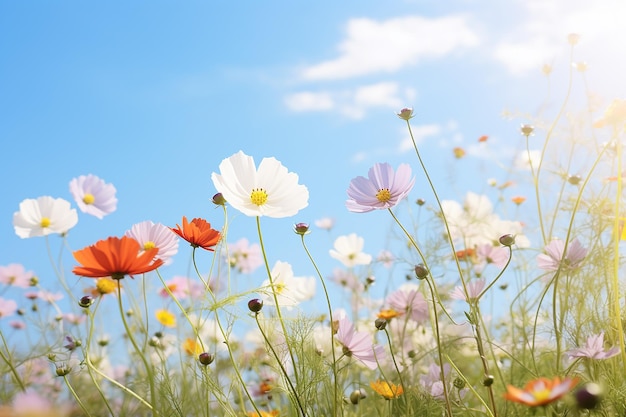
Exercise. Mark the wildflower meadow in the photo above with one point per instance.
(491, 304)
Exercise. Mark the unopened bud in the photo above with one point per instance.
(420, 202)
(380, 324)
(86, 301)
(205, 358)
(588, 396)
(255, 305)
(488, 381)
(459, 383)
(507, 240)
(356, 396)
(301, 228)
(527, 130)
(219, 200)
(574, 179)
(421, 271)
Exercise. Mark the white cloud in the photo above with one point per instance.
(352, 103)
(309, 101)
(420, 133)
(386, 46)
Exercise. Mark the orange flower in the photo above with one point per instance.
(191, 347)
(518, 199)
(115, 257)
(198, 233)
(466, 254)
(387, 389)
(388, 314)
(541, 391)
(483, 138)
(458, 152)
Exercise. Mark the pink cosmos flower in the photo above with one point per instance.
(556, 256)
(410, 301)
(244, 257)
(386, 258)
(93, 196)
(358, 344)
(7, 307)
(325, 223)
(594, 349)
(15, 275)
(346, 279)
(183, 287)
(489, 254)
(155, 235)
(383, 188)
(474, 288)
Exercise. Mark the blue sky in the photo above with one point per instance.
(152, 95)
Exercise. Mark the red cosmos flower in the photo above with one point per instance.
(198, 233)
(541, 391)
(115, 257)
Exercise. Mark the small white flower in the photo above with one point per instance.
(290, 290)
(348, 250)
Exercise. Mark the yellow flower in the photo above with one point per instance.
(166, 318)
(105, 286)
(387, 389)
(192, 347)
(261, 413)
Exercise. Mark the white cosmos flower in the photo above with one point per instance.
(348, 250)
(269, 190)
(44, 216)
(290, 290)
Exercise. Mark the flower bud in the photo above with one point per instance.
(588, 396)
(527, 130)
(219, 200)
(459, 383)
(301, 228)
(488, 381)
(380, 324)
(406, 113)
(507, 240)
(574, 179)
(255, 305)
(86, 301)
(356, 396)
(205, 358)
(34, 281)
(420, 202)
(421, 271)
(370, 280)
(63, 369)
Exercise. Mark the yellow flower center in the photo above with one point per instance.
(89, 199)
(105, 286)
(383, 195)
(258, 196)
(45, 222)
(149, 245)
(166, 318)
(279, 288)
(542, 395)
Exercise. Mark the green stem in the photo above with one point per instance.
(76, 397)
(129, 333)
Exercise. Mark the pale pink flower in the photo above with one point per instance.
(74, 318)
(383, 188)
(474, 289)
(386, 258)
(15, 275)
(346, 279)
(244, 257)
(358, 344)
(325, 223)
(594, 349)
(44, 216)
(348, 249)
(48, 296)
(408, 300)
(183, 287)
(93, 196)
(489, 254)
(556, 256)
(7, 307)
(155, 235)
